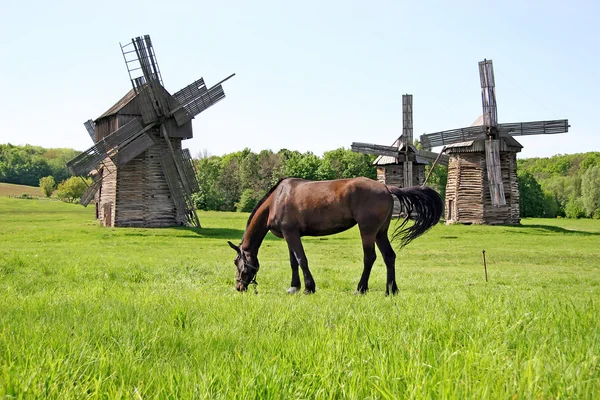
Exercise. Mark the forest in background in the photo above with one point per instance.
(559, 186)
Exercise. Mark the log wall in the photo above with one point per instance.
(107, 194)
(143, 198)
(468, 198)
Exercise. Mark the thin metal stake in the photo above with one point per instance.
(484, 265)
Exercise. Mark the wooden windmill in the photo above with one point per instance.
(142, 176)
(401, 164)
(482, 182)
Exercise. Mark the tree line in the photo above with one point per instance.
(562, 185)
(26, 165)
(236, 181)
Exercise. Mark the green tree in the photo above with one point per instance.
(551, 206)
(574, 208)
(57, 160)
(47, 184)
(72, 188)
(438, 178)
(345, 163)
(270, 169)
(209, 197)
(303, 166)
(229, 183)
(247, 201)
(531, 196)
(590, 191)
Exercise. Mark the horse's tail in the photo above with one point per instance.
(420, 203)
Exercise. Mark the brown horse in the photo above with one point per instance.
(296, 207)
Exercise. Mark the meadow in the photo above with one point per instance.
(92, 312)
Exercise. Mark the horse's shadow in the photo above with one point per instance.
(554, 229)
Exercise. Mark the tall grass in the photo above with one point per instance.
(87, 311)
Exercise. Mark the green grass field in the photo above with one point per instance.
(87, 311)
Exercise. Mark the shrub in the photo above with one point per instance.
(72, 188)
(47, 185)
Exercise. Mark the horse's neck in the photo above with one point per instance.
(257, 229)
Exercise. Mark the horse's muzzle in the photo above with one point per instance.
(240, 287)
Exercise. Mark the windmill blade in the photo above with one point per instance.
(189, 171)
(184, 97)
(488, 93)
(535, 128)
(443, 138)
(195, 98)
(87, 160)
(91, 190)
(369, 148)
(170, 171)
(185, 209)
(91, 128)
(133, 149)
(191, 92)
(146, 58)
(492, 161)
(196, 106)
(407, 119)
(139, 58)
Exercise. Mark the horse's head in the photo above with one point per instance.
(247, 267)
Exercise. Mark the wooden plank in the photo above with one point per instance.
(488, 93)
(407, 119)
(535, 127)
(492, 156)
(369, 148)
(133, 149)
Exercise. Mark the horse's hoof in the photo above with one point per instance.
(293, 290)
(360, 292)
(309, 291)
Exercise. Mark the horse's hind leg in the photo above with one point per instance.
(296, 248)
(389, 257)
(295, 285)
(369, 257)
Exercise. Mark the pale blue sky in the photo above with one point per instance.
(311, 75)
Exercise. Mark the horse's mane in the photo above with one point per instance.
(261, 201)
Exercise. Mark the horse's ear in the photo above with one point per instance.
(233, 246)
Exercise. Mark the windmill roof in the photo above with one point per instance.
(119, 104)
(460, 144)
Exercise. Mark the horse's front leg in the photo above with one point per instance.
(296, 248)
(295, 285)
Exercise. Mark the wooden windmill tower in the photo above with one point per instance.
(401, 164)
(482, 173)
(142, 176)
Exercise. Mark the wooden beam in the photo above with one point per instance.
(368, 148)
(443, 138)
(430, 156)
(488, 93)
(492, 161)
